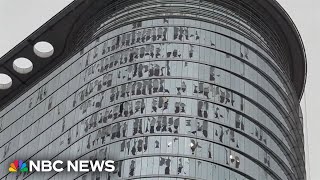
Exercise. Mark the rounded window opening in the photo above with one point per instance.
(43, 49)
(5, 81)
(22, 65)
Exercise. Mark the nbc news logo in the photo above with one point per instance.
(18, 166)
(57, 166)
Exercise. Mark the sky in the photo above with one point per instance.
(19, 18)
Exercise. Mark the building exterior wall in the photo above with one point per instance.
(167, 96)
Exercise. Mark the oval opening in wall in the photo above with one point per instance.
(43, 49)
(5, 81)
(22, 65)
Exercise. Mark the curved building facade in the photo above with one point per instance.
(169, 90)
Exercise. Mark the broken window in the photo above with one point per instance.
(166, 163)
(50, 103)
(132, 168)
(239, 122)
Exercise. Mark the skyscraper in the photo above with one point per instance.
(171, 89)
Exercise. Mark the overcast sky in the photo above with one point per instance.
(19, 18)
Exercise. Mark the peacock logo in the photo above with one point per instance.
(18, 165)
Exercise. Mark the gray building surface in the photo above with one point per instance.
(172, 89)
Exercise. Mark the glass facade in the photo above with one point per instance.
(174, 95)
